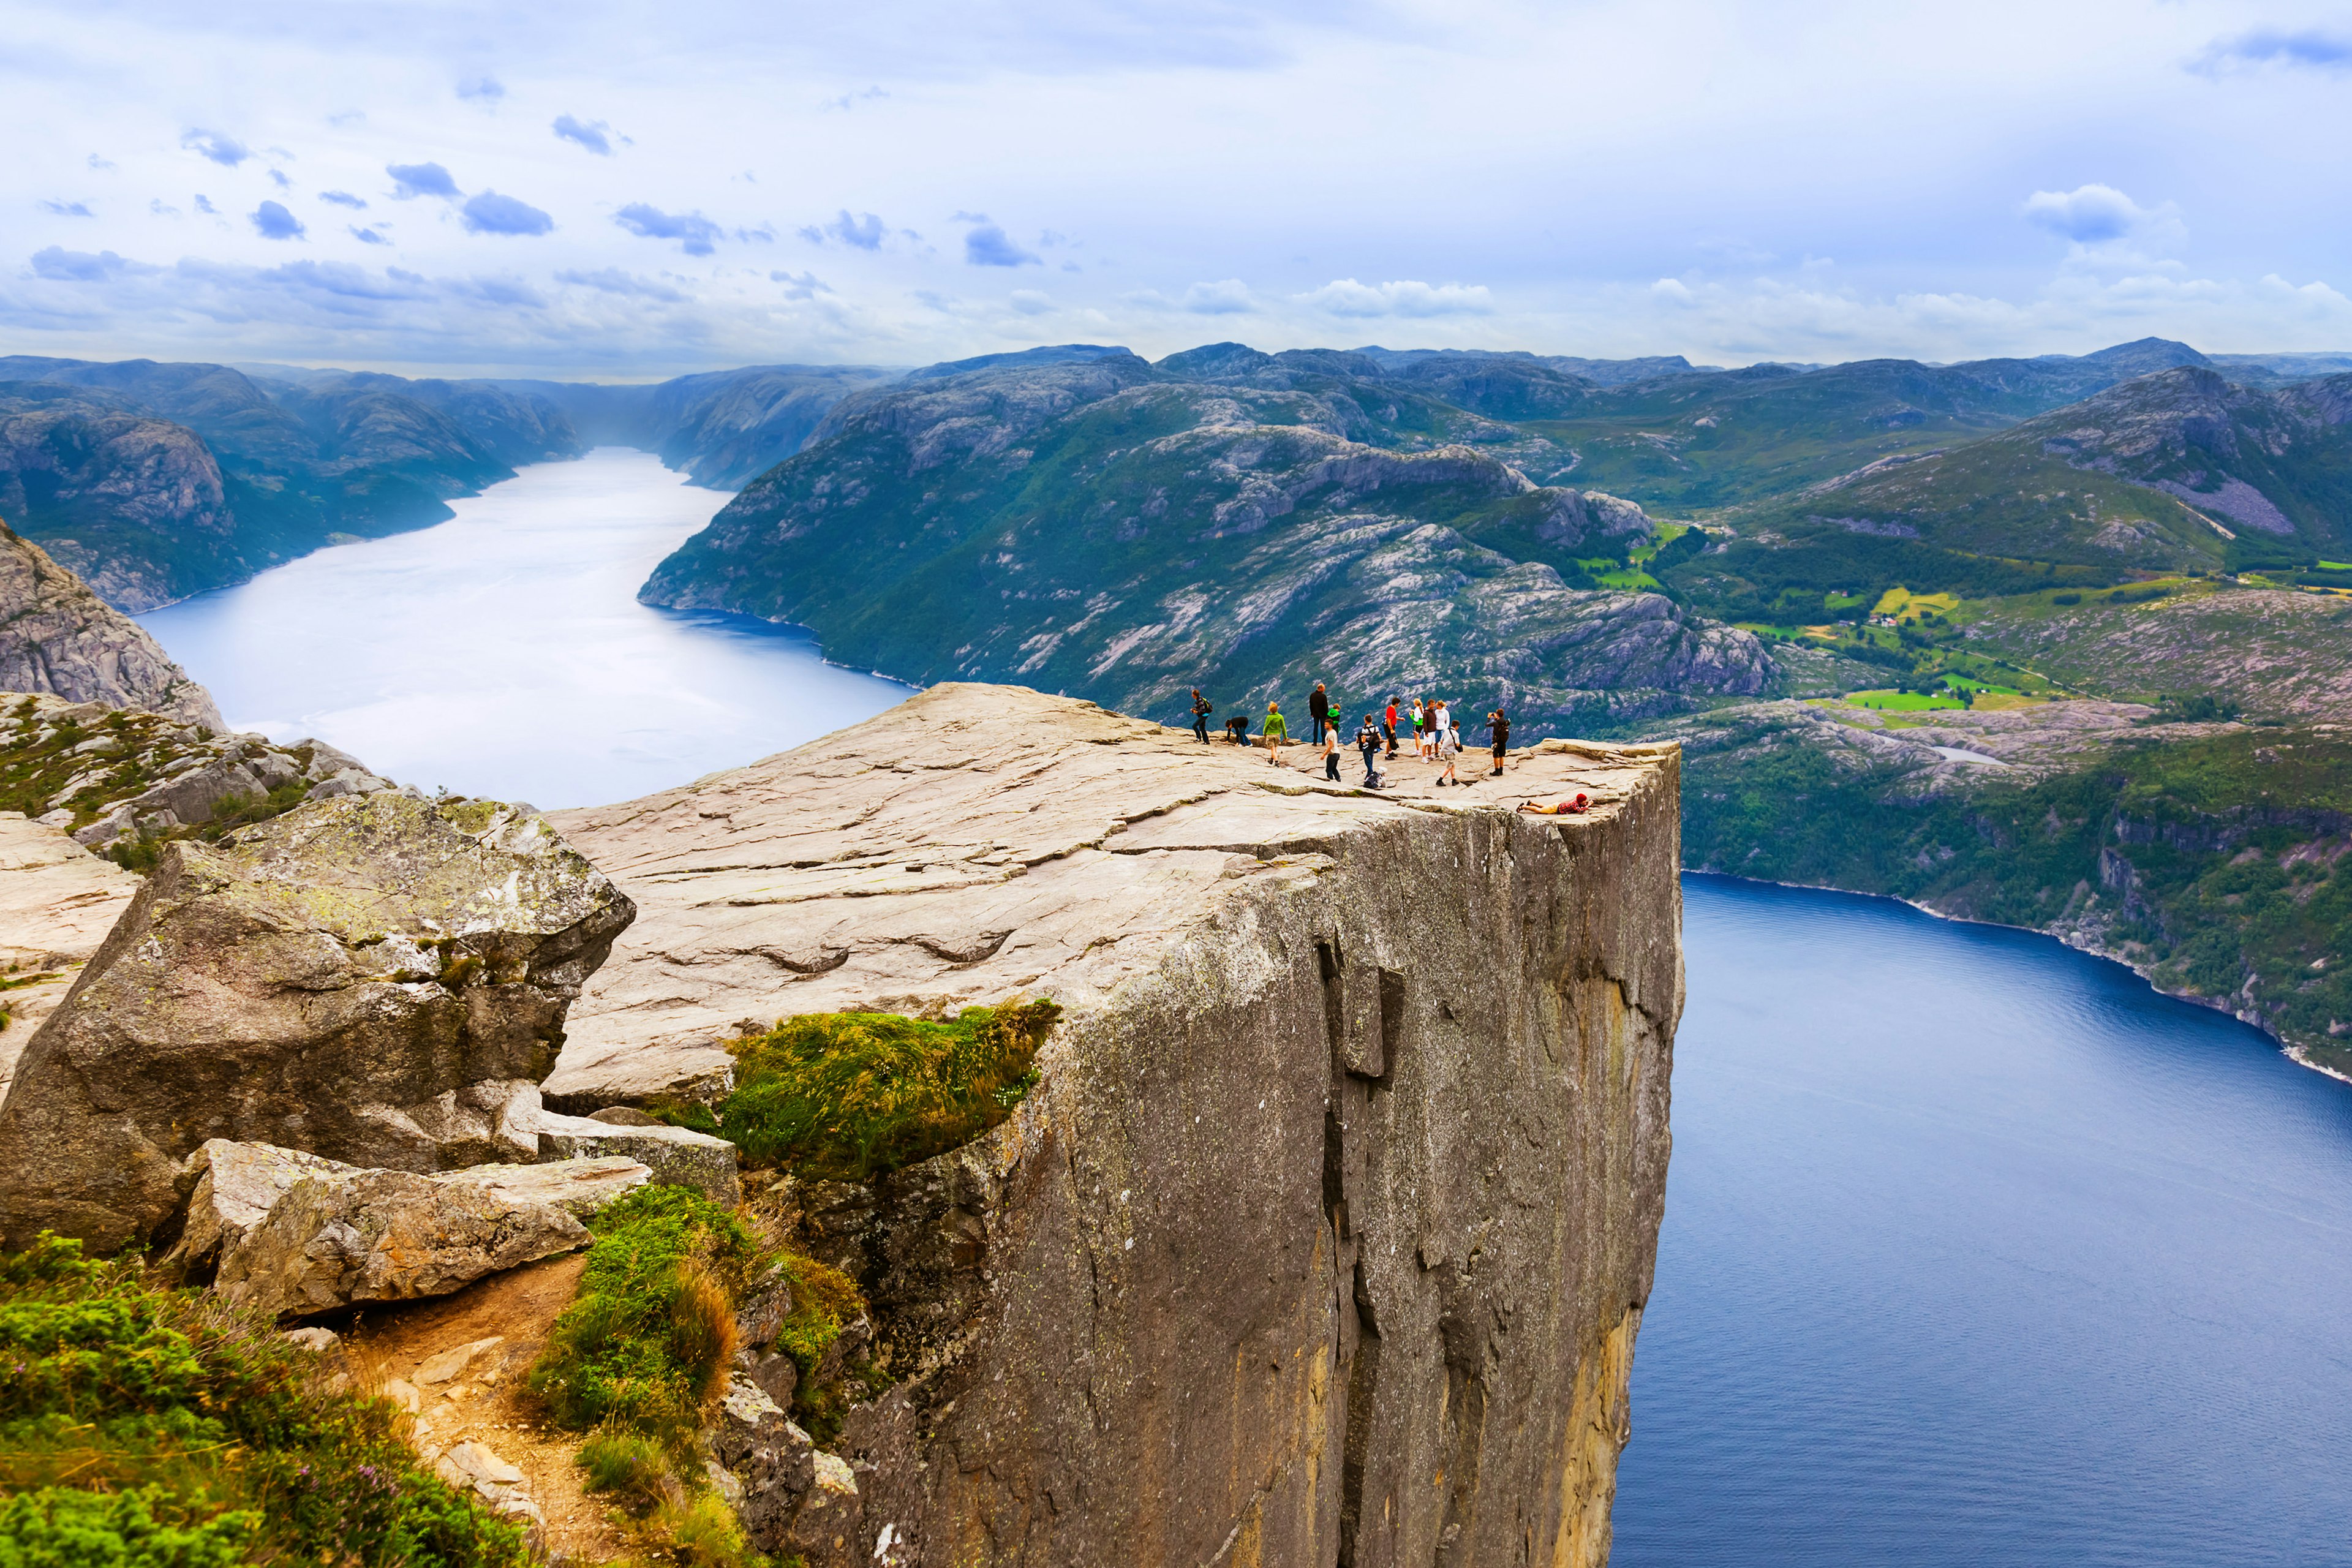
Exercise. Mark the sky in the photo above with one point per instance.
(601, 191)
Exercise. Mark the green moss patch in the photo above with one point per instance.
(155, 1427)
(846, 1095)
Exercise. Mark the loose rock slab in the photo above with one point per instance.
(373, 977)
(340, 1235)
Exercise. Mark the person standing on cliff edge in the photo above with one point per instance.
(1319, 710)
(1200, 711)
(1502, 728)
(1275, 732)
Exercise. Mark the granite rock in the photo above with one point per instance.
(58, 901)
(59, 637)
(375, 979)
(337, 1237)
(1347, 1161)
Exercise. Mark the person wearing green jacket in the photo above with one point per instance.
(1276, 733)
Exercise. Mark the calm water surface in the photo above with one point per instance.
(504, 652)
(1977, 1250)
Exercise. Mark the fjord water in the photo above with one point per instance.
(1978, 1250)
(504, 652)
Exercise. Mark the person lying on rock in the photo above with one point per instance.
(1576, 807)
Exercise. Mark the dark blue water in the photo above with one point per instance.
(1978, 1251)
(504, 653)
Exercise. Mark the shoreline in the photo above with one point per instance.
(2291, 1050)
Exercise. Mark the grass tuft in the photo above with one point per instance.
(628, 1464)
(645, 1345)
(848, 1096)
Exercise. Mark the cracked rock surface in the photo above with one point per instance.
(1346, 1166)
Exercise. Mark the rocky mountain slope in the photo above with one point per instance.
(59, 637)
(1400, 1158)
(2165, 472)
(156, 481)
(1239, 521)
(1719, 438)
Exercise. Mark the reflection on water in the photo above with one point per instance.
(1978, 1251)
(504, 652)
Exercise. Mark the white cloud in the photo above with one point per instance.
(2088, 215)
(1230, 298)
(1346, 296)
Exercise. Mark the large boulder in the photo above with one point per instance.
(373, 978)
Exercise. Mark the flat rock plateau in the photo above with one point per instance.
(1325, 1234)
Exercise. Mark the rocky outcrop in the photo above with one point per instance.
(124, 779)
(354, 1235)
(1325, 1235)
(373, 978)
(58, 636)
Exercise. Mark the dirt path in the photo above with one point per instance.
(415, 1352)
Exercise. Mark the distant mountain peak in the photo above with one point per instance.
(1058, 353)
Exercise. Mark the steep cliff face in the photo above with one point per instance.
(58, 636)
(1326, 1235)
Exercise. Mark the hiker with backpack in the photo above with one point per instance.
(1200, 711)
(1367, 741)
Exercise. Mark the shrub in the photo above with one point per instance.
(628, 1463)
(645, 1345)
(64, 1527)
(846, 1096)
(703, 1532)
(148, 1426)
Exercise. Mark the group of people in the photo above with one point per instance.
(1437, 735)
